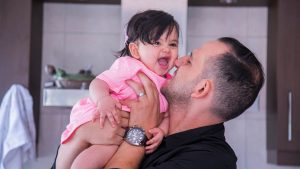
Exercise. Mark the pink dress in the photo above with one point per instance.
(122, 69)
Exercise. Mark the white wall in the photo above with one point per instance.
(78, 35)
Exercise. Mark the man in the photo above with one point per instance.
(216, 83)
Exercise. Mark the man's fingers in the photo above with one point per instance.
(137, 87)
(124, 122)
(121, 132)
(129, 103)
(149, 86)
(124, 114)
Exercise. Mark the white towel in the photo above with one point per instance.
(17, 129)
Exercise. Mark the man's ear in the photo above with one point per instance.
(202, 88)
(134, 50)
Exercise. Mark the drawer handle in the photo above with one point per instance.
(290, 117)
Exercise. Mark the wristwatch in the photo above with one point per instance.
(136, 136)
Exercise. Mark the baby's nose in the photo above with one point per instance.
(166, 49)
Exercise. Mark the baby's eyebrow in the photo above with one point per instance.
(175, 40)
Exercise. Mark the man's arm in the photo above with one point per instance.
(126, 157)
(145, 114)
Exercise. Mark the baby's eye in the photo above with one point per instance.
(156, 43)
(174, 44)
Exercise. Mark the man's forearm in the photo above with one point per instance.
(126, 157)
(145, 113)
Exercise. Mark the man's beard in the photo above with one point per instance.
(176, 94)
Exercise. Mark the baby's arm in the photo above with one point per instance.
(164, 125)
(158, 134)
(100, 94)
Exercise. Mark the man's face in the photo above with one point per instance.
(189, 69)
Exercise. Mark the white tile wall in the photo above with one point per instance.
(53, 48)
(84, 49)
(256, 153)
(54, 17)
(92, 18)
(257, 21)
(237, 139)
(258, 46)
(88, 34)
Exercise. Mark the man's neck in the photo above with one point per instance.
(182, 119)
(177, 117)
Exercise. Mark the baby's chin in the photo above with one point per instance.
(162, 73)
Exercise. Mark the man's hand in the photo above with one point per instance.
(106, 135)
(145, 111)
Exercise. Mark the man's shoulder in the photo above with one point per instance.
(205, 146)
(209, 153)
(204, 154)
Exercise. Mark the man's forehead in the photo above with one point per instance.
(210, 49)
(214, 47)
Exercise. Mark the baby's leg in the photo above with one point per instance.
(86, 135)
(69, 151)
(94, 157)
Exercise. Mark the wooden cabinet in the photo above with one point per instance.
(228, 2)
(283, 83)
(21, 46)
(190, 2)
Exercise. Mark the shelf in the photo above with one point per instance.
(63, 97)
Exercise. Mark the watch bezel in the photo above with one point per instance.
(128, 137)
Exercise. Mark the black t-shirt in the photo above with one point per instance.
(200, 148)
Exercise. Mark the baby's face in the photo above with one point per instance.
(160, 56)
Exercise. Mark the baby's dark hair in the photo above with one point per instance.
(148, 26)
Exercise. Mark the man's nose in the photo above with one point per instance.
(179, 61)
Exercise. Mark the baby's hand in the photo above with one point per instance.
(155, 141)
(107, 108)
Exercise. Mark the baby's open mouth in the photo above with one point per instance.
(163, 62)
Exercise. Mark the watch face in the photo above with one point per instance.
(135, 136)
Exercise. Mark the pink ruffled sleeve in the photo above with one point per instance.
(122, 69)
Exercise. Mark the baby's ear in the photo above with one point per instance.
(202, 88)
(134, 50)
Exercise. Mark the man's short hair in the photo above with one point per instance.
(238, 79)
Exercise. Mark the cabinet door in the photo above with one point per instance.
(283, 83)
(288, 76)
(294, 100)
